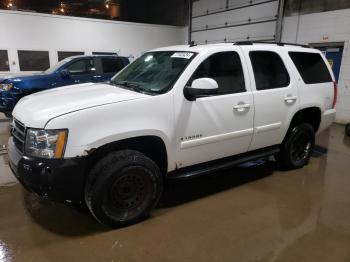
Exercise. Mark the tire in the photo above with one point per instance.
(122, 188)
(347, 129)
(297, 147)
(8, 114)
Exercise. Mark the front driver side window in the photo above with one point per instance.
(82, 67)
(226, 69)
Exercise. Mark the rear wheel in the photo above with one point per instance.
(123, 187)
(297, 147)
(347, 129)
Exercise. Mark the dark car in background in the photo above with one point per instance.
(70, 71)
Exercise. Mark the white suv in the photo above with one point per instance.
(176, 112)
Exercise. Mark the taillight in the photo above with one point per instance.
(335, 94)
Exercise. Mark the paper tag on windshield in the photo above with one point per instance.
(185, 55)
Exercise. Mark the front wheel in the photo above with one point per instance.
(297, 148)
(122, 188)
(8, 114)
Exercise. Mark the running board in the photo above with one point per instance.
(221, 164)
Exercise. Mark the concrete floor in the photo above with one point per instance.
(250, 213)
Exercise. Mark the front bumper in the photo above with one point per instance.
(7, 103)
(59, 180)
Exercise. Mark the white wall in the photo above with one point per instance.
(262, 12)
(32, 31)
(333, 26)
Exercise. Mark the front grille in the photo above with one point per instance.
(19, 135)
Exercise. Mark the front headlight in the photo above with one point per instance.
(6, 87)
(46, 143)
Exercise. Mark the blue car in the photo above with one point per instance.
(70, 71)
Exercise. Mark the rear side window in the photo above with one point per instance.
(269, 70)
(111, 65)
(226, 69)
(4, 61)
(311, 67)
(82, 67)
(33, 60)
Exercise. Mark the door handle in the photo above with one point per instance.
(290, 99)
(98, 76)
(76, 81)
(241, 107)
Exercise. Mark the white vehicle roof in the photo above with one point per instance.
(201, 48)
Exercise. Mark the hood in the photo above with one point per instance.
(37, 109)
(18, 77)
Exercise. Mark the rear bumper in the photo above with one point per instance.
(327, 118)
(60, 180)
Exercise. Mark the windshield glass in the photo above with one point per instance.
(154, 72)
(57, 66)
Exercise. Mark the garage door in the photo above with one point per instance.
(233, 20)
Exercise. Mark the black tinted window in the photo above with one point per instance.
(269, 70)
(63, 54)
(104, 53)
(112, 65)
(4, 61)
(82, 67)
(226, 69)
(311, 67)
(33, 60)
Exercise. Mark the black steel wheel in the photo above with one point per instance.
(297, 147)
(123, 187)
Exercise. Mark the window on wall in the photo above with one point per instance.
(311, 67)
(64, 54)
(33, 60)
(111, 65)
(104, 53)
(4, 61)
(269, 70)
(226, 69)
(82, 67)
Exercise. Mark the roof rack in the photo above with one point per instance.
(272, 43)
(192, 44)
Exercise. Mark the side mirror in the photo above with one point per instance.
(64, 73)
(200, 88)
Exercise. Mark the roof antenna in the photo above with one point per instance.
(192, 44)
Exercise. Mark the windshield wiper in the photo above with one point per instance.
(133, 86)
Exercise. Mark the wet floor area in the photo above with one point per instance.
(254, 212)
(6, 177)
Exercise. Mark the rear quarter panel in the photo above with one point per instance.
(320, 94)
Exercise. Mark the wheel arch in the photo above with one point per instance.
(152, 146)
(311, 115)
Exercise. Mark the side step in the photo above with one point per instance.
(221, 164)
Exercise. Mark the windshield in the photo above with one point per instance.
(57, 66)
(154, 72)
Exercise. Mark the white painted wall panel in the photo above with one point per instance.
(325, 27)
(32, 31)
